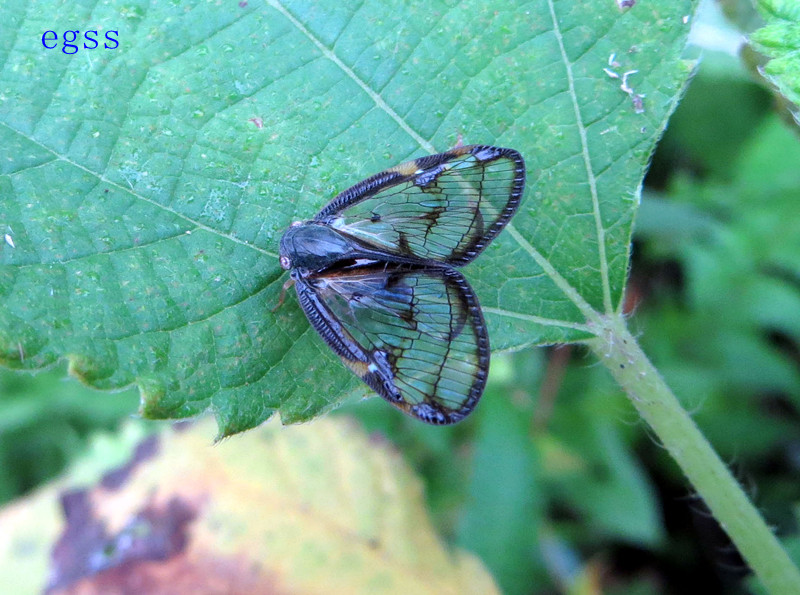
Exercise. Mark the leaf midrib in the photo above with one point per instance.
(587, 162)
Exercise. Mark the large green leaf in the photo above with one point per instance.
(144, 189)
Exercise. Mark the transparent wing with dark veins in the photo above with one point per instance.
(444, 207)
(414, 334)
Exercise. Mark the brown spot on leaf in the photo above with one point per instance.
(87, 550)
(144, 451)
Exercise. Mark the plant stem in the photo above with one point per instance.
(676, 430)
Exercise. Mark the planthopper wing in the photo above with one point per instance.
(415, 334)
(444, 208)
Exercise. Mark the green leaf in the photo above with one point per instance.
(145, 188)
(779, 40)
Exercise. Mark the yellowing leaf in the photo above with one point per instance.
(322, 509)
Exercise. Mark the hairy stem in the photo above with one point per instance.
(620, 352)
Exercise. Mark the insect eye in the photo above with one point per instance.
(286, 263)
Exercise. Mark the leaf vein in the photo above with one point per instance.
(538, 319)
(371, 93)
(130, 191)
(601, 241)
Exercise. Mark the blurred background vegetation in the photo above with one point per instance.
(554, 481)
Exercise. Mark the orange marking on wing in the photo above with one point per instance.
(409, 168)
(358, 367)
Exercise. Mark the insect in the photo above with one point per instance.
(375, 273)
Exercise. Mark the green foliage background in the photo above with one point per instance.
(554, 477)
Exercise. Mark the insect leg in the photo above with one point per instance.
(285, 287)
